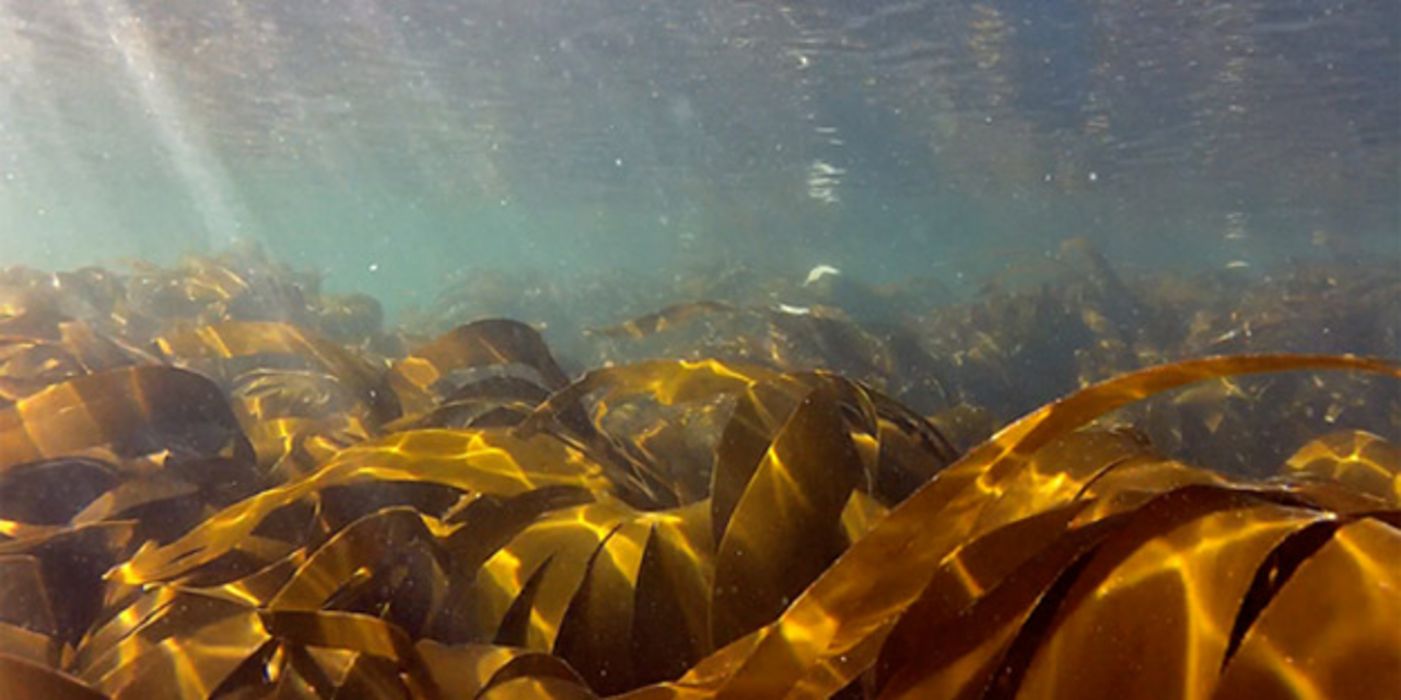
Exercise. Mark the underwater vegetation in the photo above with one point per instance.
(217, 480)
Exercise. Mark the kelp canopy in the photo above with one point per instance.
(218, 481)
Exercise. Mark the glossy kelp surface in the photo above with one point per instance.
(214, 488)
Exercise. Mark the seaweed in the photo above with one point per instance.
(217, 481)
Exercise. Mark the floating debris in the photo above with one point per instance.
(818, 273)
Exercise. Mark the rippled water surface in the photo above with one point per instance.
(395, 145)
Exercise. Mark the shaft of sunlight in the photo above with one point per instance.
(195, 162)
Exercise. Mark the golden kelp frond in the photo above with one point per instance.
(307, 510)
(1289, 649)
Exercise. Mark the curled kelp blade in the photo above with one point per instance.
(812, 644)
(525, 588)
(785, 526)
(1184, 562)
(1357, 565)
(421, 380)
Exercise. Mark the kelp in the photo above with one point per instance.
(283, 502)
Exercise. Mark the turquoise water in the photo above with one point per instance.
(396, 147)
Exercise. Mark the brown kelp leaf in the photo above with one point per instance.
(486, 522)
(536, 688)
(21, 679)
(341, 630)
(1129, 483)
(261, 395)
(881, 575)
(1153, 590)
(389, 560)
(640, 607)
(373, 677)
(1362, 461)
(99, 352)
(197, 283)
(482, 343)
(861, 513)
(24, 599)
(26, 644)
(543, 568)
(786, 527)
(256, 588)
(1350, 584)
(465, 670)
(137, 490)
(52, 491)
(596, 633)
(663, 320)
(952, 641)
(759, 414)
(468, 404)
(677, 443)
(135, 411)
(188, 662)
(74, 558)
(1054, 476)
(94, 652)
(671, 617)
(290, 448)
(148, 623)
(815, 341)
(477, 460)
